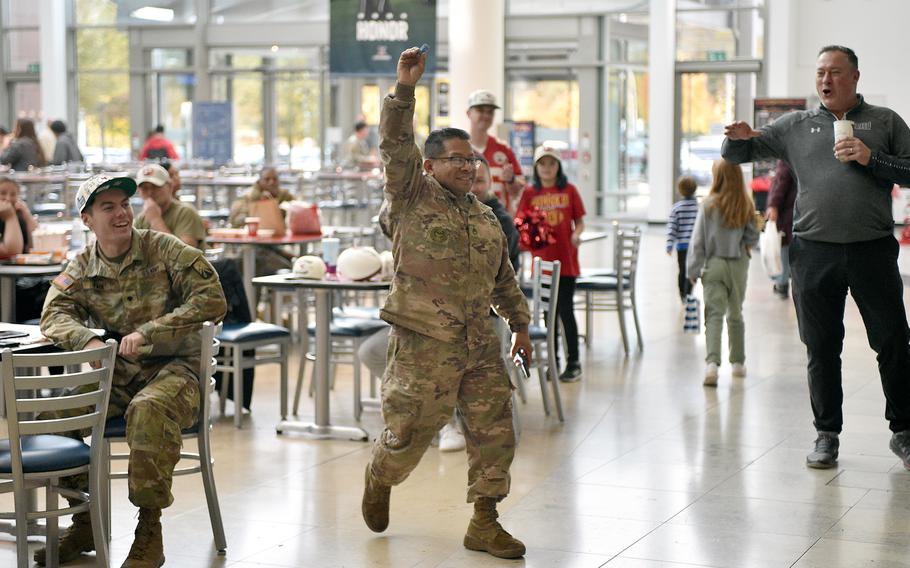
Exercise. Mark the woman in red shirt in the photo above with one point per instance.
(558, 200)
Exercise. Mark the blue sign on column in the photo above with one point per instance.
(213, 131)
(521, 140)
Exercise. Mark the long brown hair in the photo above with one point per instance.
(728, 194)
(25, 128)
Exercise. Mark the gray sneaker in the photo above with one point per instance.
(900, 445)
(824, 456)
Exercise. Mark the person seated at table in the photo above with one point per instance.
(15, 237)
(269, 260)
(174, 172)
(153, 292)
(162, 213)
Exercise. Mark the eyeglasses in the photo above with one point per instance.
(460, 162)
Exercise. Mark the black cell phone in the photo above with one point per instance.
(9, 343)
(10, 334)
(521, 361)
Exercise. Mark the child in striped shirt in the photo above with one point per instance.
(679, 230)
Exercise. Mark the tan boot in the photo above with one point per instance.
(375, 506)
(78, 538)
(487, 535)
(147, 550)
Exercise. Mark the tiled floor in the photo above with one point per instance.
(650, 469)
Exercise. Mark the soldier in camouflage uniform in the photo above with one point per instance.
(154, 292)
(451, 265)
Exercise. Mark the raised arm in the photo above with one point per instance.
(400, 155)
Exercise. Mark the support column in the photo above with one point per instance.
(781, 45)
(661, 107)
(52, 34)
(476, 55)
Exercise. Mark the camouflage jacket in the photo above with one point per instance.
(163, 289)
(451, 256)
(240, 209)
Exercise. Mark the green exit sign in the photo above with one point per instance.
(719, 55)
(33, 68)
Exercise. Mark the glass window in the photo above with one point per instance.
(25, 99)
(135, 13)
(170, 58)
(626, 139)
(297, 97)
(370, 101)
(101, 48)
(95, 12)
(22, 14)
(244, 90)
(104, 116)
(552, 103)
(24, 50)
(719, 35)
(174, 94)
(708, 103)
(246, 11)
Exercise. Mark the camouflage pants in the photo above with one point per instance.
(424, 380)
(157, 409)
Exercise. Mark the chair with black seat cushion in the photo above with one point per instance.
(543, 330)
(202, 459)
(615, 290)
(347, 332)
(238, 339)
(39, 452)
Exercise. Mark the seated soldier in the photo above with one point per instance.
(153, 292)
(162, 212)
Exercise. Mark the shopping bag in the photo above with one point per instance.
(692, 321)
(271, 217)
(303, 218)
(769, 242)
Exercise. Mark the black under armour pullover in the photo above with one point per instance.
(837, 202)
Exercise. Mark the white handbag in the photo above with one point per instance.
(769, 242)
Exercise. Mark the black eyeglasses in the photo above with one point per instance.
(460, 162)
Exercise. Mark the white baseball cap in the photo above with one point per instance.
(546, 150)
(98, 183)
(482, 98)
(154, 174)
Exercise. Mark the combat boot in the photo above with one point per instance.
(147, 550)
(77, 539)
(487, 535)
(375, 506)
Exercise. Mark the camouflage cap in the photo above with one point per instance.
(99, 183)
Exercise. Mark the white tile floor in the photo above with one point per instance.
(650, 469)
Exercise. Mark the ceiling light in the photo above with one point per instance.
(153, 13)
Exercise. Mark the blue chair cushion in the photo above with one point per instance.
(599, 283)
(351, 327)
(527, 289)
(537, 333)
(242, 332)
(46, 453)
(597, 271)
(116, 428)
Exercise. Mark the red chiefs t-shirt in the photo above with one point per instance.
(498, 155)
(561, 207)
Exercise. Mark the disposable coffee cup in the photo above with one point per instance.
(843, 129)
(330, 249)
(252, 226)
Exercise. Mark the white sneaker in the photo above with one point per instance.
(739, 370)
(450, 439)
(710, 375)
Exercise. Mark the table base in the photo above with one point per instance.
(323, 432)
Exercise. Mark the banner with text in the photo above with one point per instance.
(366, 36)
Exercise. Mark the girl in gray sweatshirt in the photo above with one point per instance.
(726, 228)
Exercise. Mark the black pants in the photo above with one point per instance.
(565, 309)
(822, 275)
(683, 279)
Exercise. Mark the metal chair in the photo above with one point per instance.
(614, 290)
(202, 457)
(38, 452)
(544, 292)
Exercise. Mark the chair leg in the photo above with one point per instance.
(226, 353)
(641, 346)
(208, 484)
(621, 312)
(106, 489)
(542, 376)
(284, 347)
(51, 502)
(554, 381)
(21, 505)
(95, 509)
(237, 377)
(358, 403)
(301, 371)
(589, 317)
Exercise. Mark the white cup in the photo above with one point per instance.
(842, 129)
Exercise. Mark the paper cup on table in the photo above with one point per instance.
(842, 129)
(252, 226)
